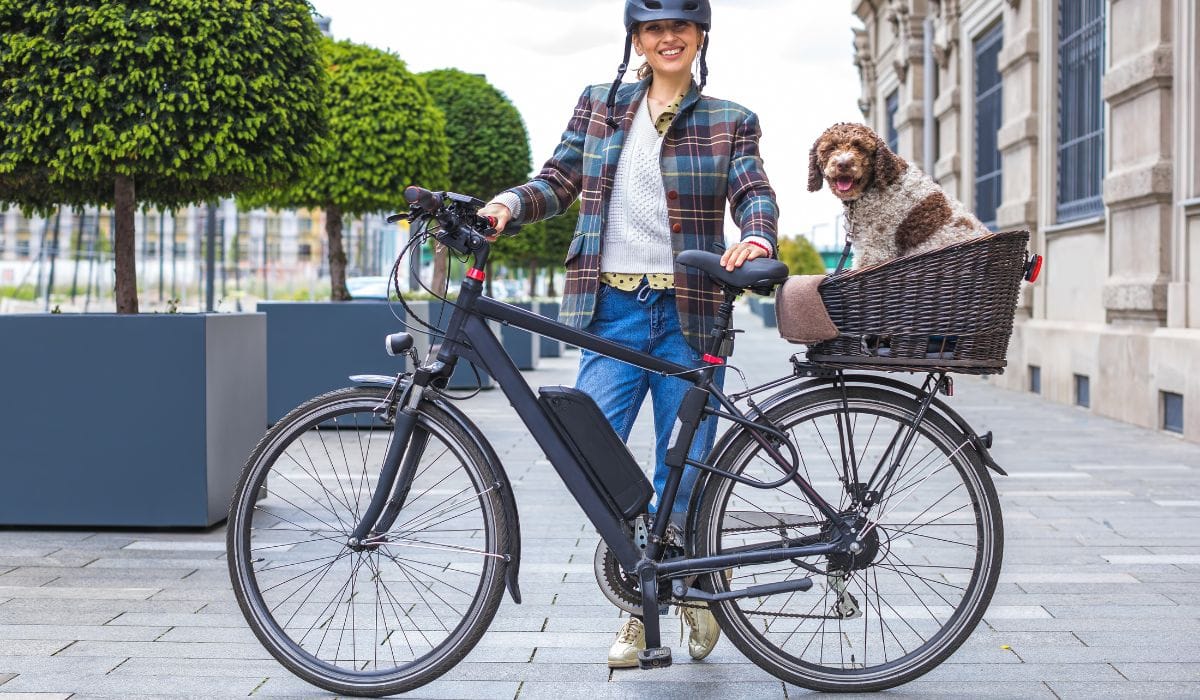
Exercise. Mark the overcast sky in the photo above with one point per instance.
(791, 61)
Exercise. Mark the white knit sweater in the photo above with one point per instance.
(637, 235)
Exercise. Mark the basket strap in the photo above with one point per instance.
(845, 254)
(849, 239)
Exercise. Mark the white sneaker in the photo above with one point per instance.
(631, 639)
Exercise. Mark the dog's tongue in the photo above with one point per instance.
(844, 184)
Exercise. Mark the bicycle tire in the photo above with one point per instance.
(808, 419)
(304, 512)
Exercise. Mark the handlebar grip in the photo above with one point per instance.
(422, 197)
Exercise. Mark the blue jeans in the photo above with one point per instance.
(645, 320)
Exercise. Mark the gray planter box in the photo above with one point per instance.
(314, 347)
(437, 314)
(521, 345)
(766, 309)
(548, 347)
(128, 421)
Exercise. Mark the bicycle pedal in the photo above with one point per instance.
(654, 657)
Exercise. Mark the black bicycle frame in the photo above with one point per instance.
(468, 336)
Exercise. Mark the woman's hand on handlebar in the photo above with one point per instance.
(500, 213)
(739, 253)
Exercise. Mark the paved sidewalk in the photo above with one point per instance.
(1100, 595)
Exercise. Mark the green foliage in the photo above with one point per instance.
(800, 256)
(543, 244)
(385, 133)
(489, 146)
(191, 99)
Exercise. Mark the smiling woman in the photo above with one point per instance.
(652, 164)
(796, 58)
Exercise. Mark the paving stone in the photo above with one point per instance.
(1139, 689)
(115, 686)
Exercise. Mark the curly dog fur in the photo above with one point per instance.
(892, 207)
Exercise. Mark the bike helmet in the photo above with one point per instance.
(638, 11)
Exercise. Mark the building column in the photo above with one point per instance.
(947, 103)
(908, 19)
(1137, 86)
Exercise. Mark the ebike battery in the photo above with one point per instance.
(605, 459)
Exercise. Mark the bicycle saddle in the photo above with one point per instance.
(760, 275)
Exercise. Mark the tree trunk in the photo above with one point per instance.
(533, 271)
(550, 291)
(337, 254)
(441, 268)
(125, 285)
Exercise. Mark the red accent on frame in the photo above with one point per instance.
(476, 274)
(713, 359)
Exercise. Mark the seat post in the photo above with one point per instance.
(721, 343)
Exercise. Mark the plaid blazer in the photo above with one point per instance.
(709, 155)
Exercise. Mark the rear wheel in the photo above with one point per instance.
(931, 552)
(379, 619)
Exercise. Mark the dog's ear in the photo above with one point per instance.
(888, 165)
(815, 177)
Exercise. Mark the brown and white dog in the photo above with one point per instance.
(893, 208)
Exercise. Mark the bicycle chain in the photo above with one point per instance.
(803, 616)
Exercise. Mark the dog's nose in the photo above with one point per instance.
(842, 165)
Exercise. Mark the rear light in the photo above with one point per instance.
(1033, 268)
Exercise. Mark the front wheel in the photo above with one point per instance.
(374, 619)
(930, 555)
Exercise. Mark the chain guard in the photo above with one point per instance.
(619, 587)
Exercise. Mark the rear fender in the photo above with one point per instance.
(498, 474)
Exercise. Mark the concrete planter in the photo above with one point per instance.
(437, 314)
(522, 346)
(766, 309)
(548, 347)
(128, 421)
(314, 347)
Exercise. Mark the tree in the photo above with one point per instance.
(543, 244)
(385, 133)
(489, 145)
(109, 102)
(800, 256)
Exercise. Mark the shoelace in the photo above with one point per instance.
(629, 633)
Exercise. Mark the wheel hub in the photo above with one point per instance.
(861, 552)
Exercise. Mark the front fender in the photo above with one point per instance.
(513, 532)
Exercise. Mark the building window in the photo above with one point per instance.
(988, 116)
(304, 251)
(1035, 379)
(1080, 109)
(1083, 391)
(893, 136)
(1172, 412)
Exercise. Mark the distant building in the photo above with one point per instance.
(1078, 120)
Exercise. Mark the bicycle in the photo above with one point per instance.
(845, 530)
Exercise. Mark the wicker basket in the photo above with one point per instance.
(949, 309)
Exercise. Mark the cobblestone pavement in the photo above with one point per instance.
(1100, 595)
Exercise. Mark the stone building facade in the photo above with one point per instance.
(1078, 120)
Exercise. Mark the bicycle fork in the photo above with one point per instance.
(396, 477)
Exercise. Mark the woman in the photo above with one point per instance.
(654, 163)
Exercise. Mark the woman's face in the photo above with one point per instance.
(670, 46)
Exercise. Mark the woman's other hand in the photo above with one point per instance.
(500, 213)
(739, 253)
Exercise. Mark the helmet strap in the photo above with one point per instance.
(612, 94)
(703, 64)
